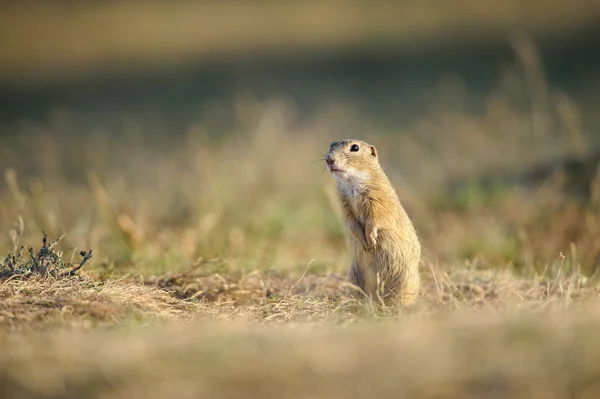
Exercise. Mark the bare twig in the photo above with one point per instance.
(73, 254)
(53, 243)
(10, 263)
(33, 259)
(301, 277)
(86, 257)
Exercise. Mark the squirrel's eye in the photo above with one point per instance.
(354, 148)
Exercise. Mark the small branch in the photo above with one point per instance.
(10, 263)
(33, 259)
(86, 257)
(53, 243)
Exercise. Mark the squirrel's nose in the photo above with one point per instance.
(329, 160)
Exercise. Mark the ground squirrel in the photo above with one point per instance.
(383, 242)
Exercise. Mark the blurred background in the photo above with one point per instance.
(156, 132)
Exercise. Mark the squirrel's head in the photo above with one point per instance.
(351, 159)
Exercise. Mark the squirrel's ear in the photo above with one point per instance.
(374, 151)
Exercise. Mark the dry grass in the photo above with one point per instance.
(472, 334)
(330, 299)
(45, 291)
(68, 303)
(273, 298)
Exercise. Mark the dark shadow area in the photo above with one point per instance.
(390, 83)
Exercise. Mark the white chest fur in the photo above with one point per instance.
(352, 183)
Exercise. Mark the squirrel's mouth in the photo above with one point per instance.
(334, 170)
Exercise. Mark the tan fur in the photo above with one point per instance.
(382, 240)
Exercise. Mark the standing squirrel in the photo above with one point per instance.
(384, 246)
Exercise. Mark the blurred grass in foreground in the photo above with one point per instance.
(549, 355)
